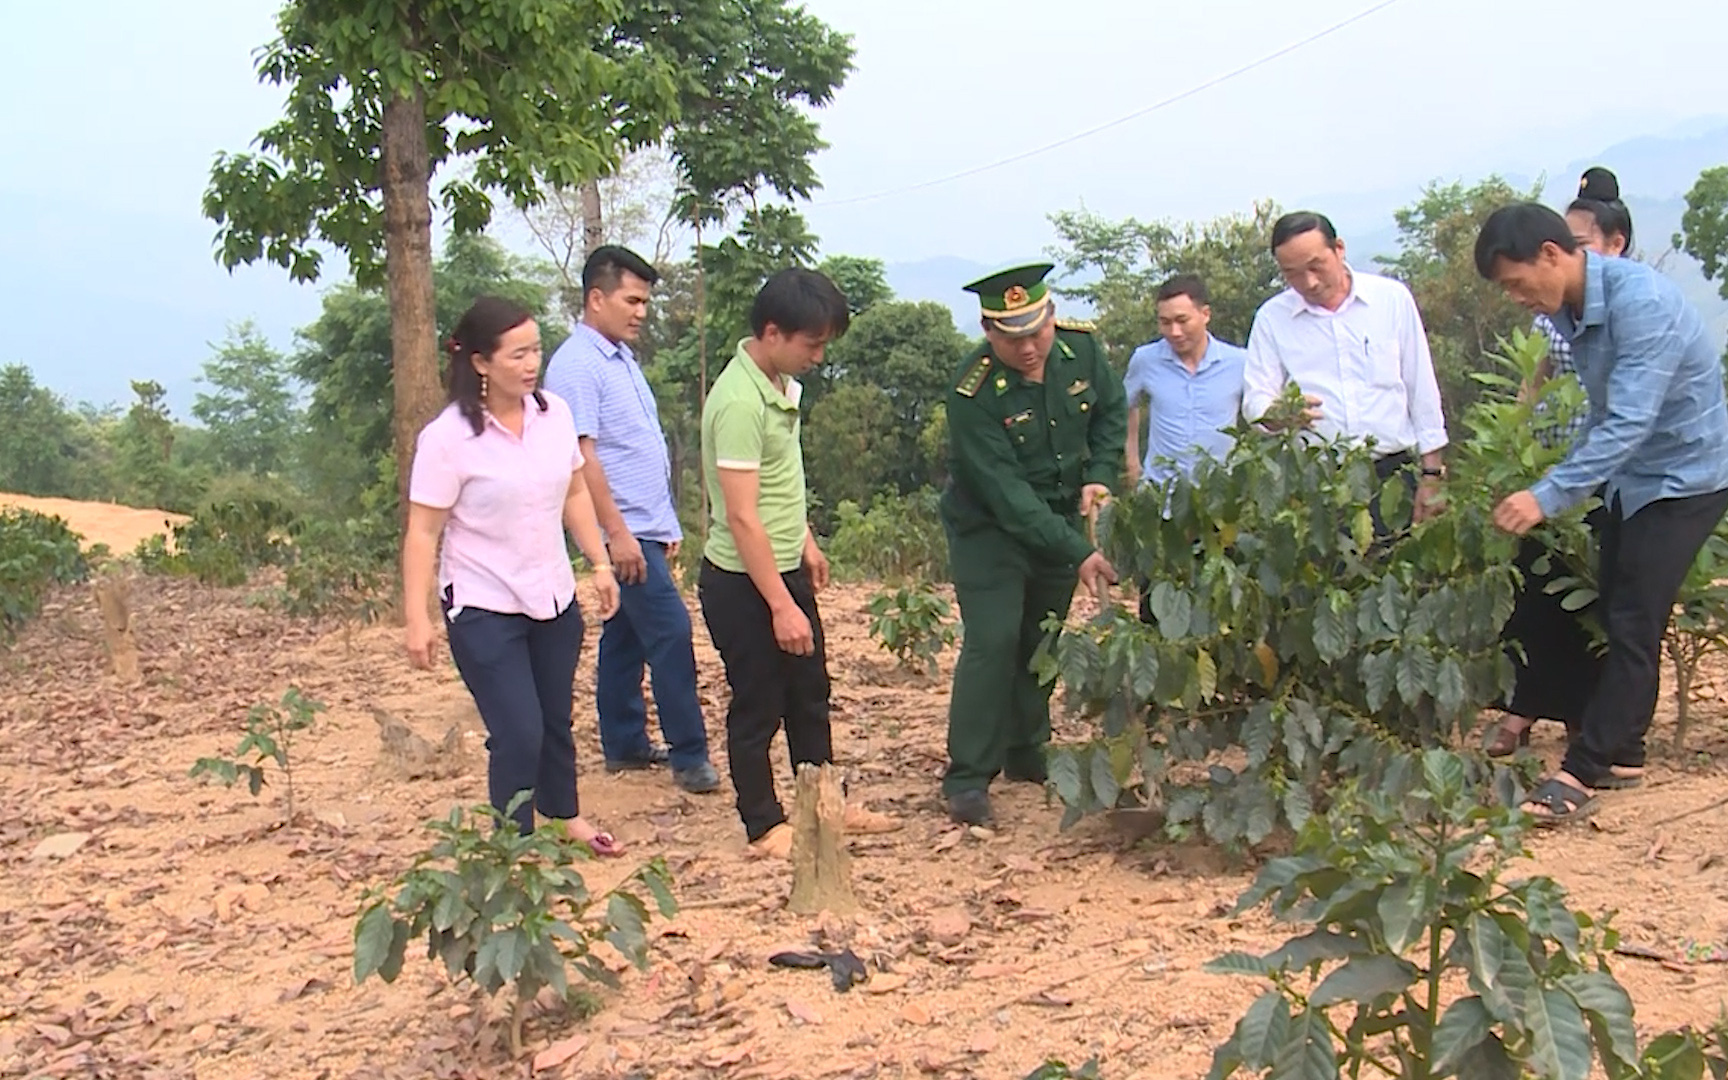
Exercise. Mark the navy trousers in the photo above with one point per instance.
(521, 671)
(652, 628)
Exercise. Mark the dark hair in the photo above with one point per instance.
(477, 331)
(1188, 285)
(607, 265)
(1294, 224)
(1599, 196)
(1517, 232)
(800, 301)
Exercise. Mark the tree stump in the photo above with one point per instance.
(821, 865)
(113, 597)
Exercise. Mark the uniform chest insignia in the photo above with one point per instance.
(1080, 386)
(1024, 417)
(1001, 384)
(974, 377)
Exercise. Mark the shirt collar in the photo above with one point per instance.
(1595, 311)
(616, 350)
(1355, 295)
(530, 416)
(765, 386)
(1207, 358)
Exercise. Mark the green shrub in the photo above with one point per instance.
(899, 538)
(222, 544)
(36, 551)
(913, 623)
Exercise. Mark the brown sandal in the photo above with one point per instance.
(1505, 740)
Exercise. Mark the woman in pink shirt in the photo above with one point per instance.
(498, 476)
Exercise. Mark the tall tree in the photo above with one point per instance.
(1704, 226)
(1464, 314)
(385, 93)
(863, 280)
(1128, 260)
(252, 409)
(38, 455)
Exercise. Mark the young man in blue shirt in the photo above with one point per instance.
(1656, 435)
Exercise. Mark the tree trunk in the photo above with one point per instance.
(113, 600)
(821, 865)
(593, 227)
(408, 267)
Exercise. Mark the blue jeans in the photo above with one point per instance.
(520, 671)
(652, 628)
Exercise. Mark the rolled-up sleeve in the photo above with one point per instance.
(1263, 374)
(1427, 417)
(1648, 349)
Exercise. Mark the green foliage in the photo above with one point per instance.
(1131, 259)
(1704, 226)
(1464, 314)
(503, 909)
(345, 569)
(531, 92)
(36, 551)
(145, 465)
(852, 446)
(39, 450)
(270, 732)
(1401, 895)
(1699, 625)
(899, 538)
(222, 543)
(251, 411)
(914, 623)
(863, 281)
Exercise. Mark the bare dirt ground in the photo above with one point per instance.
(191, 934)
(120, 527)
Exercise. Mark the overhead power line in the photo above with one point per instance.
(1119, 121)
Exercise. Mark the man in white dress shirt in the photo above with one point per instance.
(1355, 344)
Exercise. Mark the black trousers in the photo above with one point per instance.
(1644, 561)
(769, 687)
(1557, 673)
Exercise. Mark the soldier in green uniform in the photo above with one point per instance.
(1037, 420)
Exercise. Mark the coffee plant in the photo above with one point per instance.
(270, 732)
(898, 538)
(36, 552)
(1402, 894)
(913, 623)
(222, 543)
(1054, 1069)
(504, 909)
(1699, 625)
(1289, 647)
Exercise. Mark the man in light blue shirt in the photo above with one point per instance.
(628, 472)
(1191, 383)
(1656, 435)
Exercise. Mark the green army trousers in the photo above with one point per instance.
(998, 715)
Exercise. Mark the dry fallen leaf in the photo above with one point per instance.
(60, 846)
(983, 1042)
(996, 971)
(884, 984)
(803, 1011)
(949, 840)
(559, 1052)
(915, 1013)
(950, 926)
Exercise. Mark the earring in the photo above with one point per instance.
(483, 386)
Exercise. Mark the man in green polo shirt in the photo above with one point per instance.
(761, 568)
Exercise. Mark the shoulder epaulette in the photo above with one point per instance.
(974, 377)
(1078, 325)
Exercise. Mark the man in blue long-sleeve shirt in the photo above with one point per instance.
(1656, 435)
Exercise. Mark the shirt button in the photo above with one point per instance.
(1084, 406)
(1052, 421)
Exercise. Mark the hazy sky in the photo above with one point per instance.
(114, 109)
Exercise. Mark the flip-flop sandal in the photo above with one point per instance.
(605, 845)
(1565, 804)
(1504, 742)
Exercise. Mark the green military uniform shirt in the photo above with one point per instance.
(1021, 451)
